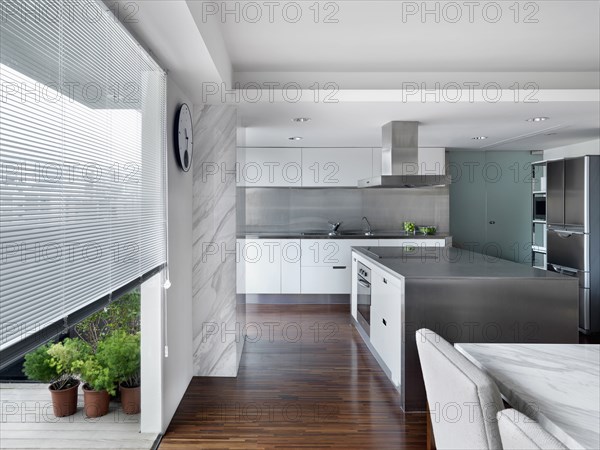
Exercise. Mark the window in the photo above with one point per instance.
(82, 161)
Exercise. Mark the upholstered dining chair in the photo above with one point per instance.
(519, 432)
(462, 399)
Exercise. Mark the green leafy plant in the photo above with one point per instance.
(120, 352)
(123, 314)
(52, 363)
(94, 374)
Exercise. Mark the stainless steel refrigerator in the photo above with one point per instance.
(573, 239)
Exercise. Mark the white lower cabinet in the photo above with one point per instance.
(290, 265)
(268, 266)
(386, 319)
(327, 265)
(326, 280)
(305, 266)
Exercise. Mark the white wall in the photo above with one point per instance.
(152, 361)
(177, 368)
(574, 150)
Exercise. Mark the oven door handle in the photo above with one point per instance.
(364, 283)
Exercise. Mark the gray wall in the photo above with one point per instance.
(217, 320)
(177, 368)
(304, 209)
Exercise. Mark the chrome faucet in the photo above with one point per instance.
(369, 231)
(334, 226)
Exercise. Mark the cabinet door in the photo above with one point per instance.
(323, 252)
(327, 264)
(331, 252)
(575, 192)
(386, 320)
(290, 266)
(336, 167)
(262, 266)
(269, 167)
(555, 193)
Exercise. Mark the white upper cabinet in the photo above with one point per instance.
(305, 167)
(269, 167)
(336, 167)
(432, 161)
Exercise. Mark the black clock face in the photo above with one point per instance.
(184, 138)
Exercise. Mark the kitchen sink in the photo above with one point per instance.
(356, 233)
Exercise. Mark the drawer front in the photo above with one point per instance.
(331, 252)
(326, 280)
(566, 249)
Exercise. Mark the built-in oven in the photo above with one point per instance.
(363, 297)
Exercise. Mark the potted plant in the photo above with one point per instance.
(52, 363)
(120, 351)
(99, 384)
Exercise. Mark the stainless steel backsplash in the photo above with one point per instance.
(297, 209)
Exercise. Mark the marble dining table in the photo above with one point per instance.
(558, 385)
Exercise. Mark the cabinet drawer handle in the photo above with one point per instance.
(385, 281)
(384, 322)
(339, 267)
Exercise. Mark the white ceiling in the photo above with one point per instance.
(373, 36)
(371, 48)
(452, 125)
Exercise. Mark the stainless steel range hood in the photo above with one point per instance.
(400, 160)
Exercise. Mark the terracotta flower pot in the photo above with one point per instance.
(95, 403)
(130, 399)
(64, 401)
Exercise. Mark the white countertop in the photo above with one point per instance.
(556, 384)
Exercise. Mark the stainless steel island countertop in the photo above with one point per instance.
(467, 297)
(449, 262)
(341, 235)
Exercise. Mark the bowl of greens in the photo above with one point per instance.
(427, 229)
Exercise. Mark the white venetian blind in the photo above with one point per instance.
(82, 160)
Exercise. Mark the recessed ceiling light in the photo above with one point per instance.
(301, 119)
(295, 138)
(480, 138)
(537, 119)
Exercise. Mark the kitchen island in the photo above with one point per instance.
(463, 296)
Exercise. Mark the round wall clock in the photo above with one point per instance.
(184, 139)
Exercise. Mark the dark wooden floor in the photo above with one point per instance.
(320, 389)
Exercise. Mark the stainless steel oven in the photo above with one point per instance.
(363, 297)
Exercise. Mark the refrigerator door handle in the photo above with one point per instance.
(564, 270)
(565, 234)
